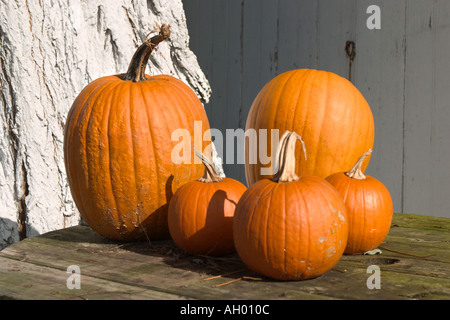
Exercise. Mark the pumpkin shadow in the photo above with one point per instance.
(213, 238)
(12, 233)
(83, 233)
(228, 263)
(159, 215)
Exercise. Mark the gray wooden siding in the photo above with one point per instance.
(403, 70)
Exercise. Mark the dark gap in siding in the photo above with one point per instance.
(405, 46)
(241, 67)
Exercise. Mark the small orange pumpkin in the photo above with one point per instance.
(117, 148)
(369, 207)
(290, 227)
(201, 213)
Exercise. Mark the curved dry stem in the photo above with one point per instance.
(356, 171)
(286, 157)
(136, 69)
(210, 174)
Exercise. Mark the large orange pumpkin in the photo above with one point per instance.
(326, 110)
(290, 227)
(369, 207)
(201, 213)
(118, 147)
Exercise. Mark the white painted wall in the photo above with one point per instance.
(403, 70)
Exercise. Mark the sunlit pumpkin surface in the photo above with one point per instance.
(326, 110)
(118, 153)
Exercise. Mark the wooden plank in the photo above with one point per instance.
(335, 26)
(219, 48)
(200, 20)
(253, 41)
(379, 73)
(270, 23)
(191, 8)
(220, 53)
(22, 280)
(234, 115)
(160, 270)
(288, 35)
(258, 65)
(440, 113)
(419, 99)
(307, 42)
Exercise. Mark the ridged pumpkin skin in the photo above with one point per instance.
(369, 209)
(290, 227)
(201, 216)
(117, 149)
(291, 231)
(326, 110)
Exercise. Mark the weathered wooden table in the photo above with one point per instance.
(414, 264)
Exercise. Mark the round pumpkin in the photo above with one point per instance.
(117, 148)
(369, 207)
(201, 213)
(326, 110)
(290, 227)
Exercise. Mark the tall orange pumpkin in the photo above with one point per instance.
(290, 227)
(326, 110)
(118, 147)
(369, 207)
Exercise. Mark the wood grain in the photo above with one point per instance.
(35, 268)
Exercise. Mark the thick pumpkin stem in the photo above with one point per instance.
(210, 173)
(286, 157)
(356, 171)
(136, 69)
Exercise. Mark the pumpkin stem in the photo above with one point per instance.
(286, 157)
(136, 69)
(356, 172)
(210, 173)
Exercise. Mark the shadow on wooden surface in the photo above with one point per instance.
(414, 263)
